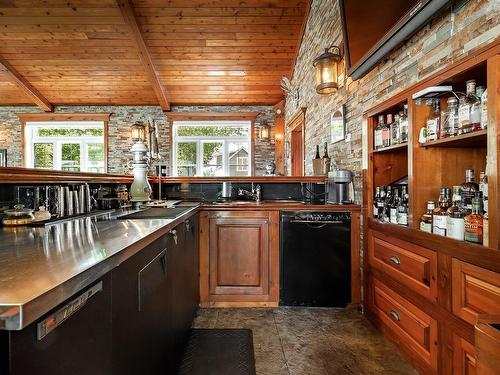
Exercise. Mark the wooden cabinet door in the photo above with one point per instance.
(239, 253)
(464, 357)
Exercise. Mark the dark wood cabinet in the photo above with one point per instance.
(240, 258)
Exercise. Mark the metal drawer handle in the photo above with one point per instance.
(188, 225)
(395, 315)
(394, 259)
(173, 232)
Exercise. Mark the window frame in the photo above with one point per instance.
(200, 140)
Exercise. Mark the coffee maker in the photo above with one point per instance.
(340, 187)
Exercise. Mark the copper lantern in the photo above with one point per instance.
(326, 70)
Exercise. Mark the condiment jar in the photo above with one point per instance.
(18, 216)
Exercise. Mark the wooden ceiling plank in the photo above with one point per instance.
(25, 86)
(130, 20)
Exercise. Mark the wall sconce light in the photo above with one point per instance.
(265, 132)
(138, 131)
(326, 66)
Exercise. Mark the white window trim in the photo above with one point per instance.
(199, 140)
(30, 139)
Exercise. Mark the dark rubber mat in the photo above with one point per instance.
(156, 213)
(219, 352)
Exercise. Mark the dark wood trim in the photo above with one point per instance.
(279, 138)
(10, 175)
(21, 82)
(253, 137)
(209, 116)
(298, 124)
(127, 11)
(97, 116)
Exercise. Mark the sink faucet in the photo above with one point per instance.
(255, 194)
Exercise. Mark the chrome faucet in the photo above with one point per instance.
(255, 194)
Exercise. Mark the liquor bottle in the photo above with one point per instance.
(468, 189)
(474, 221)
(486, 230)
(386, 132)
(426, 219)
(440, 217)
(476, 108)
(381, 204)
(393, 209)
(484, 109)
(386, 215)
(402, 215)
(449, 125)
(483, 188)
(395, 135)
(376, 200)
(433, 122)
(378, 133)
(326, 160)
(403, 124)
(465, 124)
(456, 215)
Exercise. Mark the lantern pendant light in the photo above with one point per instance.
(326, 70)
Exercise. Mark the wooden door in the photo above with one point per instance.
(239, 252)
(297, 136)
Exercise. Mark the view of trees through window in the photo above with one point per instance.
(64, 147)
(212, 150)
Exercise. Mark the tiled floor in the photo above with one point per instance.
(311, 341)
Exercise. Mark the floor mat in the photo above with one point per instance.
(219, 352)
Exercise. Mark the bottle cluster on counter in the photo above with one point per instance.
(461, 213)
(391, 129)
(390, 204)
(465, 113)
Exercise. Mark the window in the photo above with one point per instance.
(66, 146)
(212, 148)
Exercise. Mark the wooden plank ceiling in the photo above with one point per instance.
(207, 52)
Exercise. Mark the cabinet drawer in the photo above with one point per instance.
(475, 291)
(415, 328)
(464, 357)
(411, 265)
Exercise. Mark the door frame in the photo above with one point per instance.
(296, 125)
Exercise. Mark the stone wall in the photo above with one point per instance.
(119, 142)
(456, 32)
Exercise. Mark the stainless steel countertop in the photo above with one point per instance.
(41, 267)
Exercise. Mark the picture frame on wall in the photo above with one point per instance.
(3, 157)
(337, 125)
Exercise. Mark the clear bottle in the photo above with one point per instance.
(403, 124)
(483, 188)
(393, 209)
(484, 109)
(468, 190)
(473, 222)
(426, 219)
(465, 120)
(395, 135)
(402, 215)
(456, 215)
(440, 217)
(476, 108)
(449, 125)
(386, 132)
(433, 122)
(386, 215)
(377, 143)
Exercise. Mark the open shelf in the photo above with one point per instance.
(400, 146)
(470, 140)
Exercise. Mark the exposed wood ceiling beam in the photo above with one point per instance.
(16, 78)
(129, 17)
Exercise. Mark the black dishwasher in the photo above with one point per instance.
(315, 264)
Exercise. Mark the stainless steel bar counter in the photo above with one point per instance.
(41, 267)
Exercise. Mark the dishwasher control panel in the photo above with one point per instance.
(317, 216)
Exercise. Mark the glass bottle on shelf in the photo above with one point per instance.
(386, 132)
(381, 203)
(393, 209)
(456, 215)
(403, 124)
(465, 119)
(426, 219)
(395, 135)
(484, 109)
(449, 125)
(387, 205)
(402, 214)
(486, 231)
(378, 133)
(440, 217)
(476, 108)
(376, 200)
(473, 222)
(433, 122)
(468, 190)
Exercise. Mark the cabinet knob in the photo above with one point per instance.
(394, 259)
(395, 315)
(173, 233)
